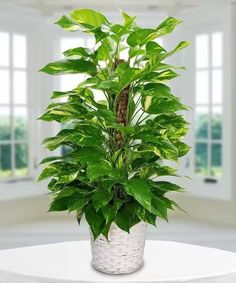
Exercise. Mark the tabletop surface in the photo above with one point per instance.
(164, 261)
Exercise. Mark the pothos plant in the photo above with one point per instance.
(119, 145)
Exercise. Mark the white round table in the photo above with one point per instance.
(164, 262)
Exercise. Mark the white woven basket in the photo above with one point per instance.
(123, 253)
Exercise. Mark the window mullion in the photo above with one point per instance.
(11, 106)
(210, 107)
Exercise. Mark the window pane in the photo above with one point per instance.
(5, 161)
(202, 51)
(217, 86)
(4, 49)
(20, 123)
(19, 87)
(5, 131)
(216, 159)
(201, 158)
(202, 122)
(19, 51)
(202, 87)
(217, 49)
(21, 160)
(5, 91)
(216, 124)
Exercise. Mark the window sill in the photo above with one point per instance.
(20, 190)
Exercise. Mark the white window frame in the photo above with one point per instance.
(209, 141)
(12, 30)
(222, 188)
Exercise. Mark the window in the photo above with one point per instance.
(13, 106)
(208, 104)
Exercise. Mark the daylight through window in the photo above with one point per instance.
(208, 103)
(13, 106)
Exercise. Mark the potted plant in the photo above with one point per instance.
(119, 146)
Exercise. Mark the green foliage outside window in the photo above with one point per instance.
(204, 166)
(21, 150)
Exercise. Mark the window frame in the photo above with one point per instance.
(222, 188)
(20, 30)
(209, 141)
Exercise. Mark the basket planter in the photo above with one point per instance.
(122, 253)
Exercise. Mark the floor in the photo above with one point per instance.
(66, 229)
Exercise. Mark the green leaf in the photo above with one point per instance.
(128, 20)
(78, 52)
(165, 186)
(50, 159)
(157, 170)
(126, 75)
(135, 51)
(156, 89)
(159, 207)
(119, 30)
(59, 205)
(175, 125)
(99, 169)
(77, 204)
(79, 215)
(99, 34)
(182, 148)
(65, 172)
(154, 49)
(88, 154)
(87, 136)
(88, 18)
(60, 94)
(108, 85)
(162, 66)
(67, 24)
(50, 171)
(70, 66)
(144, 215)
(109, 212)
(161, 104)
(162, 76)
(124, 219)
(140, 190)
(154, 53)
(66, 193)
(166, 150)
(63, 112)
(101, 197)
(53, 186)
(175, 205)
(104, 52)
(167, 26)
(95, 220)
(141, 37)
(180, 46)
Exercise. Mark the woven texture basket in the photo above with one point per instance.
(123, 253)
